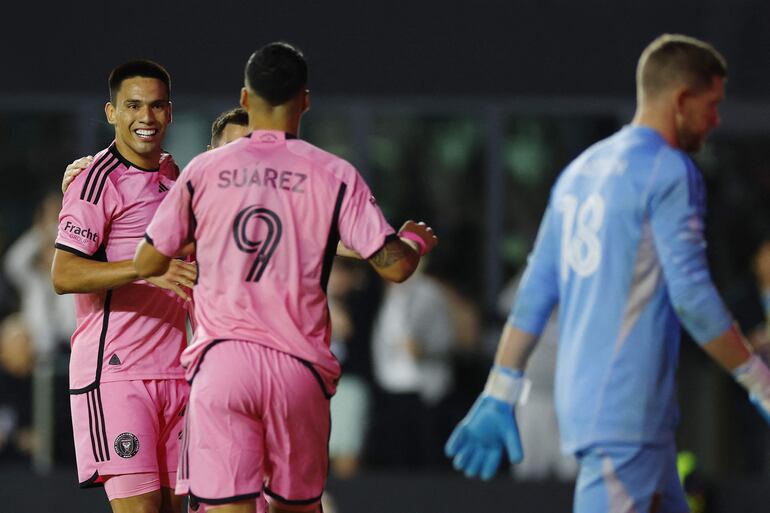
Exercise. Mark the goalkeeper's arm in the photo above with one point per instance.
(731, 351)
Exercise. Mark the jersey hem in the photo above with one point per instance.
(583, 444)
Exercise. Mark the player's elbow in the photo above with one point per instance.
(60, 276)
(61, 285)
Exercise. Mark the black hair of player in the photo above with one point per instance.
(137, 68)
(236, 116)
(276, 72)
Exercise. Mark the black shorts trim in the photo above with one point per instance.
(315, 375)
(91, 482)
(225, 500)
(296, 502)
(203, 355)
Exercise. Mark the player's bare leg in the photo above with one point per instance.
(170, 502)
(145, 503)
(247, 506)
(275, 509)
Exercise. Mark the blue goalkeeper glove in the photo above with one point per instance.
(478, 441)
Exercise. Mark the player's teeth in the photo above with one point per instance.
(146, 132)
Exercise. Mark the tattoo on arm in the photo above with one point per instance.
(388, 255)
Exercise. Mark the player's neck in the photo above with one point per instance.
(281, 118)
(658, 122)
(148, 161)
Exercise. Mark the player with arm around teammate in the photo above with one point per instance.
(227, 127)
(126, 383)
(621, 250)
(267, 212)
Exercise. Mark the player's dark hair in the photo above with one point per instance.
(137, 68)
(236, 116)
(276, 72)
(674, 59)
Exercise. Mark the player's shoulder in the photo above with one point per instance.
(218, 155)
(93, 182)
(320, 158)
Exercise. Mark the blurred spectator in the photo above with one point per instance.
(537, 421)
(412, 346)
(17, 360)
(49, 317)
(352, 307)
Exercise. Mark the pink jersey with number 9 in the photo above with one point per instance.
(266, 212)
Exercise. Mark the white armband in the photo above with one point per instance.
(754, 376)
(507, 385)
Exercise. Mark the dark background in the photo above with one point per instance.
(460, 113)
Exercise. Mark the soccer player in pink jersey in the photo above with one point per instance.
(227, 127)
(126, 383)
(266, 213)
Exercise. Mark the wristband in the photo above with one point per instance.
(507, 385)
(754, 376)
(421, 246)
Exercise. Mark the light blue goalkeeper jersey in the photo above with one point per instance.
(621, 250)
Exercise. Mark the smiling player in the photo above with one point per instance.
(126, 383)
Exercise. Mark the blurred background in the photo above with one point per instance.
(458, 113)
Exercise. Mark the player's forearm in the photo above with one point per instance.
(729, 350)
(72, 274)
(150, 262)
(396, 261)
(514, 347)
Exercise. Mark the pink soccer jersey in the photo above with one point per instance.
(266, 212)
(136, 331)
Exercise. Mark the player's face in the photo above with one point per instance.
(699, 115)
(140, 113)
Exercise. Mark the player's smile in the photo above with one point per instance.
(146, 134)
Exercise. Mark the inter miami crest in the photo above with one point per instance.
(126, 445)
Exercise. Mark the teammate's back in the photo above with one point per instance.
(270, 211)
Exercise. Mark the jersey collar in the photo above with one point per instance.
(114, 150)
(270, 136)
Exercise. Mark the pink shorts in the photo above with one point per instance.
(128, 427)
(258, 421)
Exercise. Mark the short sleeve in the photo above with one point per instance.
(362, 225)
(87, 210)
(171, 227)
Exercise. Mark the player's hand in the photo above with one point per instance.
(73, 170)
(419, 235)
(180, 278)
(478, 441)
